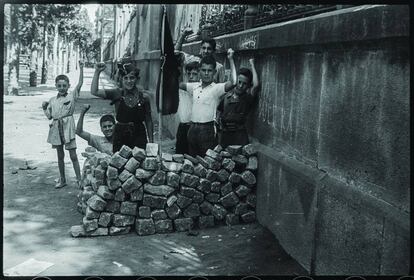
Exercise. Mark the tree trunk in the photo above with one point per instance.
(34, 52)
(44, 67)
(55, 51)
(69, 57)
(13, 61)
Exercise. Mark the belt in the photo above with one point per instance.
(128, 123)
(204, 123)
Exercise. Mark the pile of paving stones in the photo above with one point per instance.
(136, 189)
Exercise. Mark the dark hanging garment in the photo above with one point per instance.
(169, 71)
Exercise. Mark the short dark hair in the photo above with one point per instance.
(107, 118)
(127, 67)
(208, 60)
(192, 66)
(210, 41)
(247, 73)
(62, 77)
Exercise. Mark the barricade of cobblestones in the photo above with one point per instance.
(137, 190)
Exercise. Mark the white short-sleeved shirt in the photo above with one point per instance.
(100, 143)
(184, 106)
(205, 100)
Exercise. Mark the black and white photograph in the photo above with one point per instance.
(247, 140)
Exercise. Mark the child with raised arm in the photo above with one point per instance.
(60, 110)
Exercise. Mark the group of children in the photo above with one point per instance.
(211, 111)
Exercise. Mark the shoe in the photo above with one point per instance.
(60, 185)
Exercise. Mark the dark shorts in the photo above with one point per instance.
(181, 144)
(201, 137)
(236, 137)
(132, 135)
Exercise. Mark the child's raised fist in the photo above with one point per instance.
(85, 108)
(100, 66)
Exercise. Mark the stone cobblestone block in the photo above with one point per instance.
(189, 180)
(235, 178)
(152, 149)
(91, 214)
(172, 166)
(212, 163)
(173, 211)
(142, 174)
(158, 178)
(188, 166)
(154, 201)
(119, 230)
(125, 174)
(252, 164)
(251, 200)
(225, 154)
(219, 212)
(232, 219)
(125, 152)
(87, 194)
(171, 200)
(206, 222)
(223, 175)
(158, 214)
(89, 225)
(137, 195)
(129, 208)
(120, 220)
(206, 207)
(211, 175)
(117, 161)
(228, 164)
(162, 190)
(212, 197)
(114, 184)
(248, 177)
(90, 149)
(113, 206)
(99, 173)
(198, 197)
(111, 173)
(144, 212)
(150, 163)
(79, 231)
(202, 161)
(204, 186)
(242, 191)
(178, 158)
(166, 157)
(105, 219)
(216, 187)
(188, 192)
(145, 227)
(226, 189)
(241, 208)
(120, 195)
(229, 200)
(138, 153)
(240, 160)
(164, 226)
(173, 180)
(132, 165)
(218, 148)
(96, 203)
(131, 185)
(105, 193)
(192, 211)
(200, 171)
(190, 158)
(183, 201)
(214, 155)
(249, 217)
(248, 150)
(183, 224)
(234, 149)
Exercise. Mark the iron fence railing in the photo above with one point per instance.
(222, 19)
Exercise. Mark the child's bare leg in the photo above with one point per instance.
(61, 164)
(75, 162)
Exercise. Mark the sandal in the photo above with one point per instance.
(60, 185)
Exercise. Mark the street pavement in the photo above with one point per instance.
(37, 217)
